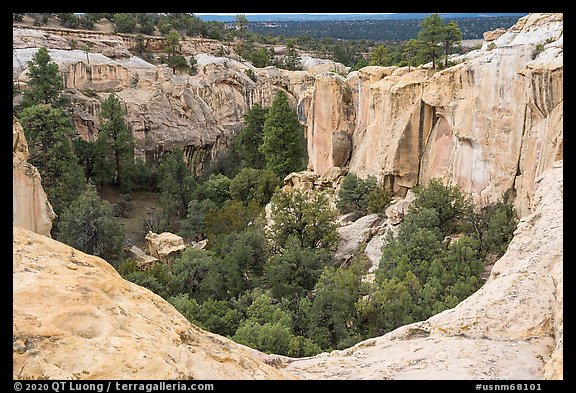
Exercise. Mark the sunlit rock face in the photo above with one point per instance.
(30, 206)
(74, 317)
(489, 124)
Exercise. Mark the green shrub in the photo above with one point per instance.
(362, 195)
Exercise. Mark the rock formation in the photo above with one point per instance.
(199, 113)
(511, 328)
(165, 246)
(74, 317)
(30, 206)
(489, 124)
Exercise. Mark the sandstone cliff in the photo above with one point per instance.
(511, 328)
(30, 206)
(489, 124)
(74, 317)
(199, 114)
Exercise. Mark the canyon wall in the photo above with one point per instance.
(30, 206)
(198, 113)
(491, 123)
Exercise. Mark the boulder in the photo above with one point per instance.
(355, 234)
(494, 34)
(396, 211)
(300, 180)
(165, 246)
(143, 260)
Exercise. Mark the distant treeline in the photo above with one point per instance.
(377, 30)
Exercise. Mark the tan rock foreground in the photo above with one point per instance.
(75, 318)
(512, 328)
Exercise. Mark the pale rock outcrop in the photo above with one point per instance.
(30, 206)
(320, 66)
(353, 235)
(110, 45)
(300, 180)
(494, 34)
(399, 208)
(79, 69)
(165, 246)
(330, 123)
(514, 99)
(489, 124)
(389, 138)
(74, 317)
(511, 328)
(143, 260)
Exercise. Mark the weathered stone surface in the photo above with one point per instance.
(511, 328)
(393, 123)
(300, 180)
(143, 260)
(30, 206)
(165, 246)
(355, 234)
(331, 113)
(199, 114)
(515, 131)
(397, 210)
(320, 66)
(494, 34)
(74, 317)
(489, 124)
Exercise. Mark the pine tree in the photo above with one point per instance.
(251, 137)
(115, 144)
(283, 145)
(307, 216)
(381, 56)
(45, 82)
(291, 58)
(410, 52)
(451, 36)
(431, 35)
(48, 131)
(88, 225)
(175, 58)
(176, 184)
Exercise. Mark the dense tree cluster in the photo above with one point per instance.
(362, 195)
(69, 166)
(276, 287)
(373, 30)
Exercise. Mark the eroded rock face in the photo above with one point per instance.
(198, 113)
(511, 328)
(489, 124)
(75, 318)
(499, 114)
(30, 206)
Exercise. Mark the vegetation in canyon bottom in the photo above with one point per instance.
(276, 288)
